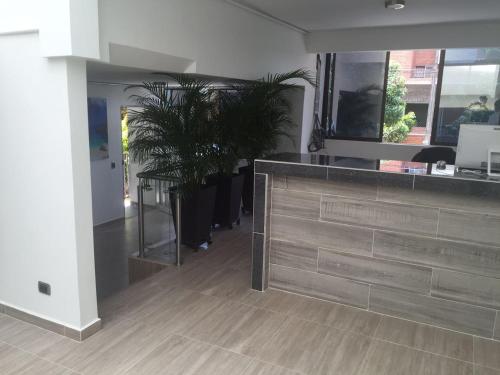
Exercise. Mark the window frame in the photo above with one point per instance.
(327, 109)
(327, 105)
(437, 102)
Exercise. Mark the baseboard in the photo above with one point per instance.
(61, 329)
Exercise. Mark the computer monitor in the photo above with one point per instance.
(474, 145)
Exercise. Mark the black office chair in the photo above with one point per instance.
(435, 154)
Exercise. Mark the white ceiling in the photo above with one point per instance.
(101, 72)
(98, 72)
(313, 15)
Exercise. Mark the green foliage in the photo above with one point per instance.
(260, 111)
(397, 124)
(396, 90)
(172, 133)
(195, 131)
(124, 123)
(226, 133)
(410, 120)
(397, 133)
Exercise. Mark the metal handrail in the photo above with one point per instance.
(142, 185)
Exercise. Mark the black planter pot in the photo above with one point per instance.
(228, 198)
(197, 209)
(247, 193)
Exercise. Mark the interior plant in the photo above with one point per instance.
(261, 109)
(171, 136)
(358, 112)
(226, 147)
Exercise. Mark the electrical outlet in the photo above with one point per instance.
(44, 288)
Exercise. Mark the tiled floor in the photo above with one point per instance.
(204, 319)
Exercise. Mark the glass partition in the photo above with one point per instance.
(470, 92)
(357, 100)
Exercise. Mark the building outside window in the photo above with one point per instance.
(419, 69)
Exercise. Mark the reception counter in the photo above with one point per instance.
(397, 238)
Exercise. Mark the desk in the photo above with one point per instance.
(397, 238)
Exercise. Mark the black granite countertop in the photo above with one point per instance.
(387, 166)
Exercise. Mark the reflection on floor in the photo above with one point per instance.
(115, 241)
(203, 319)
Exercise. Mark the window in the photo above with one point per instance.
(470, 87)
(419, 71)
(411, 97)
(356, 95)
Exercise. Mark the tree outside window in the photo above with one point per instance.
(397, 124)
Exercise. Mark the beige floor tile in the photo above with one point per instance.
(479, 370)
(182, 356)
(384, 358)
(183, 311)
(26, 336)
(427, 338)
(274, 300)
(203, 319)
(315, 349)
(126, 301)
(337, 316)
(237, 327)
(227, 283)
(14, 361)
(261, 368)
(322, 312)
(487, 353)
(110, 351)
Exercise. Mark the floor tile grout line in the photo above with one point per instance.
(473, 350)
(40, 357)
(339, 329)
(148, 353)
(378, 326)
(373, 337)
(424, 351)
(328, 325)
(252, 358)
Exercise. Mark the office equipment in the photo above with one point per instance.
(435, 154)
(474, 143)
(494, 161)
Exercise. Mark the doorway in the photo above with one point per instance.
(125, 162)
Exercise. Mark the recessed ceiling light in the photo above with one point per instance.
(395, 4)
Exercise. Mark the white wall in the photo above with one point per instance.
(46, 218)
(46, 222)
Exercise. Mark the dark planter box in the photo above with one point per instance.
(247, 193)
(228, 198)
(197, 209)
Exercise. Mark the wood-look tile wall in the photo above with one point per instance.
(417, 247)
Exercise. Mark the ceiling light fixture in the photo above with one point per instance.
(395, 4)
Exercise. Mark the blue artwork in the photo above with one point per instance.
(98, 128)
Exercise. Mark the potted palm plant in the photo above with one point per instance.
(226, 148)
(171, 136)
(261, 109)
